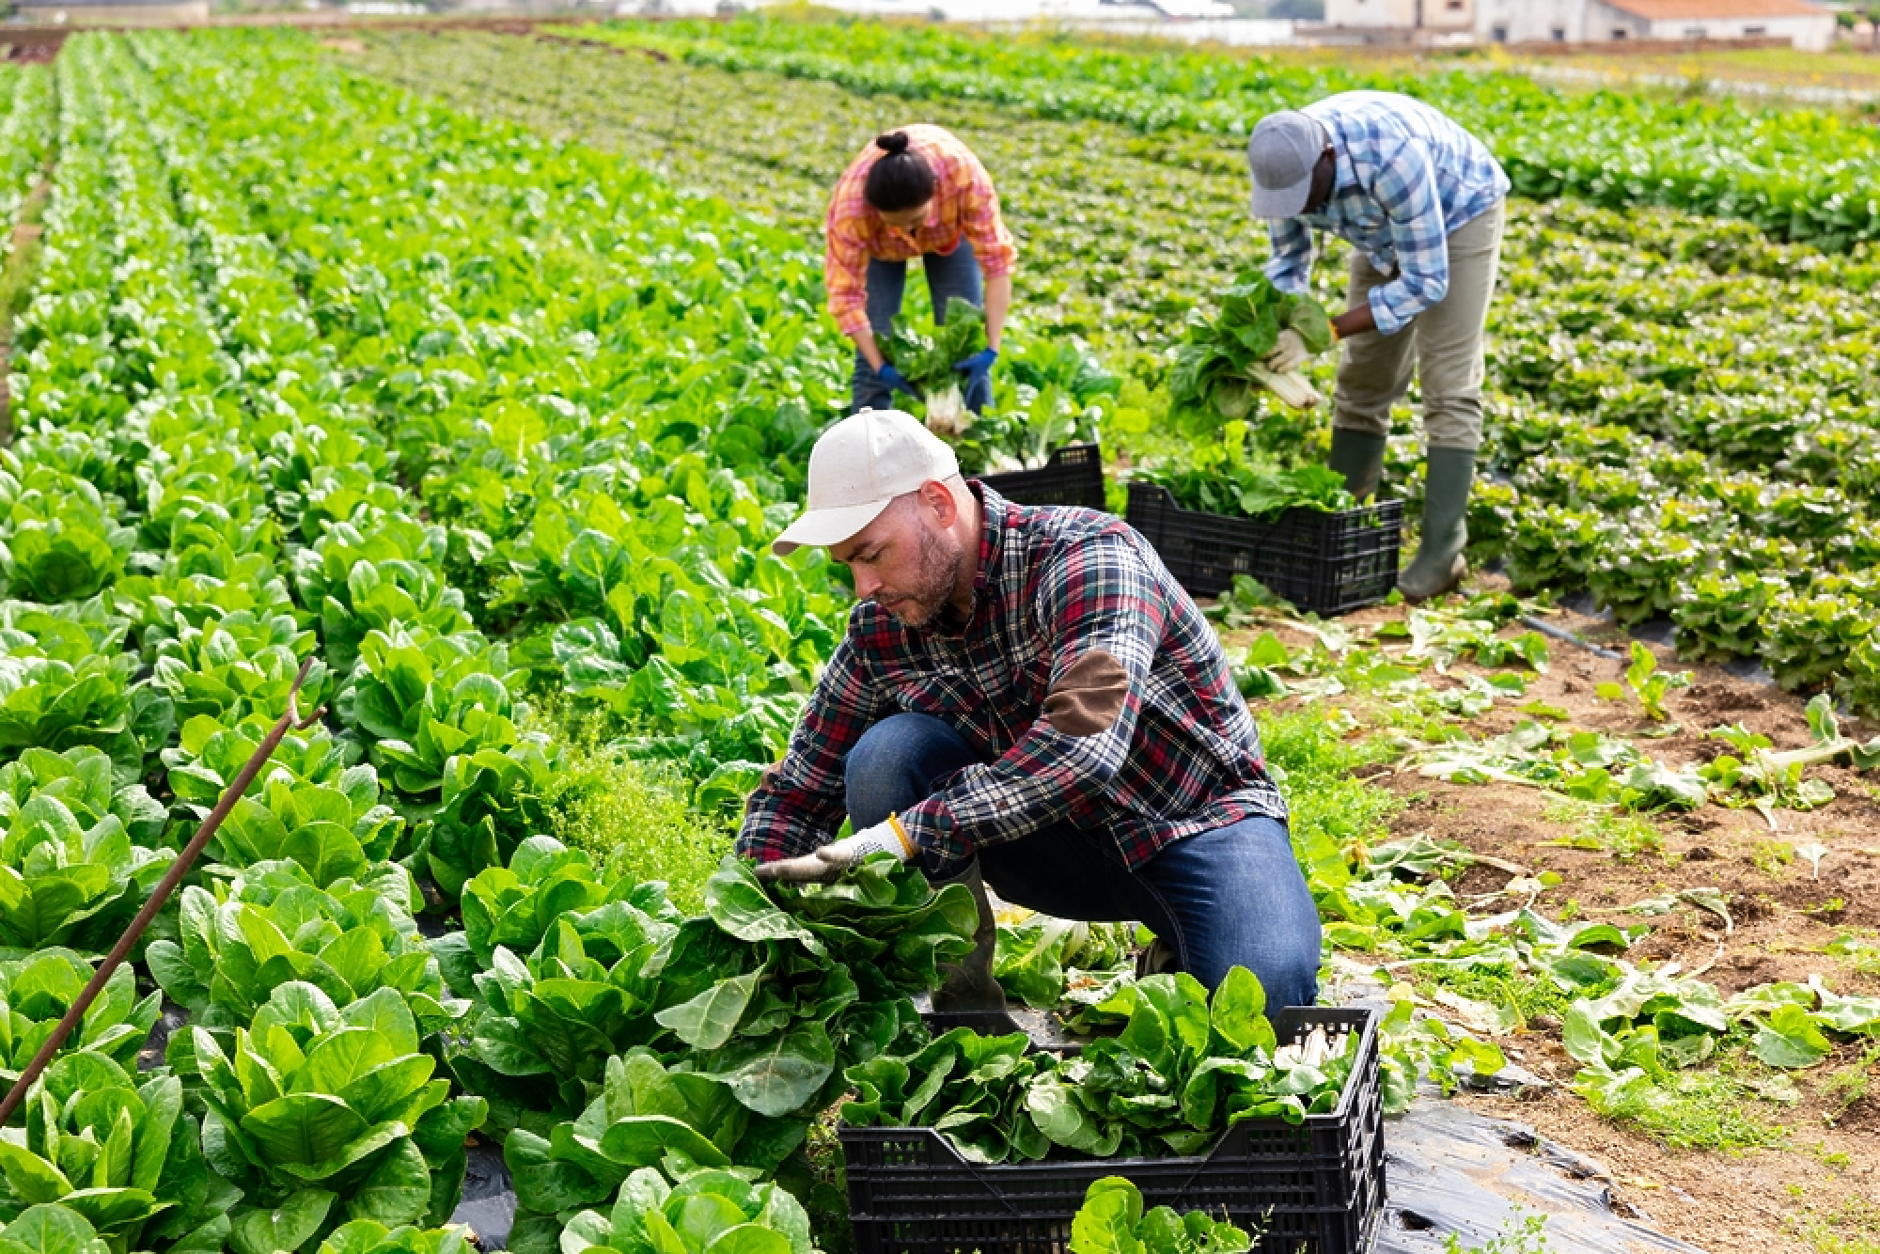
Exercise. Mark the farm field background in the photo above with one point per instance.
(480, 370)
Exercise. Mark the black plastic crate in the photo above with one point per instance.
(1316, 1187)
(1073, 476)
(1322, 563)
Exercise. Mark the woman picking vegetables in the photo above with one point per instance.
(1026, 698)
(916, 192)
(1421, 201)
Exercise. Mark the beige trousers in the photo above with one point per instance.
(1446, 340)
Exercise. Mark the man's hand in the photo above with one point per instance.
(978, 366)
(1288, 354)
(831, 860)
(1356, 320)
(895, 381)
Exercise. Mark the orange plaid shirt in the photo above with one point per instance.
(964, 204)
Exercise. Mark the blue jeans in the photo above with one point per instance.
(1234, 896)
(956, 274)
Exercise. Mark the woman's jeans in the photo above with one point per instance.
(956, 274)
(1230, 897)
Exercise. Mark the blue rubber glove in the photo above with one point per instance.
(895, 381)
(977, 367)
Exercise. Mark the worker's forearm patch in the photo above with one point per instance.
(1088, 697)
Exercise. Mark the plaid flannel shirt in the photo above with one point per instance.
(1054, 585)
(964, 204)
(1408, 178)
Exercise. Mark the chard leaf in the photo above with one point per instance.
(397, 1192)
(736, 902)
(1789, 1038)
(779, 1074)
(708, 1020)
(288, 1226)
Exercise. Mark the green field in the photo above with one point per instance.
(478, 371)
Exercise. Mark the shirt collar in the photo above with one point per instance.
(992, 510)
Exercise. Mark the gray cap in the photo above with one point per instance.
(1284, 148)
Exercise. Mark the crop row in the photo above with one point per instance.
(284, 386)
(653, 109)
(1120, 234)
(1699, 404)
(551, 364)
(1799, 175)
(248, 346)
(25, 138)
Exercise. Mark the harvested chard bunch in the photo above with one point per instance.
(1222, 362)
(1182, 1069)
(927, 361)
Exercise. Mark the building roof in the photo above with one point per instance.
(1699, 10)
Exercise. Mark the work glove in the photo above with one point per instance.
(978, 366)
(831, 860)
(895, 381)
(1289, 353)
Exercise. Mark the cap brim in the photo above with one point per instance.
(1282, 202)
(823, 527)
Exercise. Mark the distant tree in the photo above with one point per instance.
(1851, 16)
(1298, 10)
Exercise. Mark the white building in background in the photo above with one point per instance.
(112, 12)
(1807, 26)
(1532, 21)
(1438, 17)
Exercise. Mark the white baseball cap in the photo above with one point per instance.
(857, 469)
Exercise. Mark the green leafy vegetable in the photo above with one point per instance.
(705, 1209)
(1112, 1221)
(1179, 1073)
(321, 1114)
(122, 1155)
(1038, 955)
(1221, 363)
(35, 993)
(927, 361)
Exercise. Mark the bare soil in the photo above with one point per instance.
(1750, 1203)
(1784, 914)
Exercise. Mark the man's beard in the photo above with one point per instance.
(939, 573)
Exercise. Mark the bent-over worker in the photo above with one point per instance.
(1421, 201)
(1026, 698)
(916, 192)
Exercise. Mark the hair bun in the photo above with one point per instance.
(893, 144)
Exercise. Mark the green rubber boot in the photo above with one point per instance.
(968, 984)
(1439, 565)
(1359, 457)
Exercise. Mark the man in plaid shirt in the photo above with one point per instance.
(1421, 200)
(1028, 698)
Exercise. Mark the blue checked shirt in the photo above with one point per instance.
(1408, 178)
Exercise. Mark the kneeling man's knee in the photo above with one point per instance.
(893, 765)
